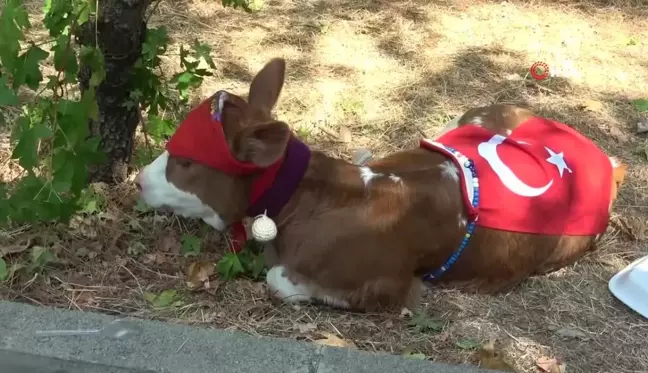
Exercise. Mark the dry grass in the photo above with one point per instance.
(391, 71)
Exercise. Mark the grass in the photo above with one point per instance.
(390, 72)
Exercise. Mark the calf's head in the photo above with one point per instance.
(218, 151)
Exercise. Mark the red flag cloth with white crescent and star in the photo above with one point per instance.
(543, 178)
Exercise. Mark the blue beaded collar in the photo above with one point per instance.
(470, 165)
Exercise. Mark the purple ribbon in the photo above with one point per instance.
(286, 182)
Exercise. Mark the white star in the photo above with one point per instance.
(558, 160)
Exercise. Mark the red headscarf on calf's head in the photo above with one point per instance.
(200, 137)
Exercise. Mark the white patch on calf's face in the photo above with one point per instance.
(158, 192)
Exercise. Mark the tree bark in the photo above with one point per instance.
(120, 30)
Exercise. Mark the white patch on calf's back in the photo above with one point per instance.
(477, 120)
(450, 170)
(158, 192)
(366, 174)
(462, 221)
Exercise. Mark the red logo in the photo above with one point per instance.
(539, 70)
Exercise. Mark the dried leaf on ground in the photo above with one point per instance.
(198, 274)
(619, 135)
(84, 252)
(15, 248)
(12, 249)
(345, 134)
(513, 77)
(414, 355)
(304, 327)
(169, 242)
(591, 105)
(333, 340)
(571, 333)
(136, 248)
(155, 258)
(550, 365)
(642, 125)
(491, 358)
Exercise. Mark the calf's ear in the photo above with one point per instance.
(267, 84)
(262, 144)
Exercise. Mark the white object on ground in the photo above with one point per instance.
(264, 229)
(630, 286)
(117, 329)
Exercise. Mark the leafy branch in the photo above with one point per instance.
(50, 115)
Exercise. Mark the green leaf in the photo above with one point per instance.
(159, 128)
(141, 206)
(229, 266)
(65, 58)
(28, 70)
(191, 245)
(40, 257)
(641, 105)
(157, 40)
(83, 9)
(26, 150)
(90, 201)
(73, 122)
(422, 323)
(203, 51)
(256, 265)
(467, 344)
(13, 20)
(63, 167)
(4, 272)
(89, 101)
(7, 96)
(165, 299)
(94, 59)
(58, 16)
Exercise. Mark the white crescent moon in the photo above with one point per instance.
(488, 150)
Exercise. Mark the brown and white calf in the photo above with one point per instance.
(366, 237)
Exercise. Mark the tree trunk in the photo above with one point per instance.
(121, 30)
